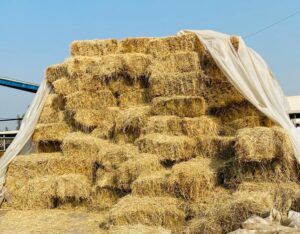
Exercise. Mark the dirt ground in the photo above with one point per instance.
(49, 221)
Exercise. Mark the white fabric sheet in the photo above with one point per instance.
(22, 142)
(250, 74)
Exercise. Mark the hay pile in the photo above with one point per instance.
(149, 131)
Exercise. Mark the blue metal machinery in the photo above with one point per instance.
(17, 84)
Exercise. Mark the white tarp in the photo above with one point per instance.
(22, 142)
(250, 74)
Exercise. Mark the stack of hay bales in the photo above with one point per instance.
(150, 131)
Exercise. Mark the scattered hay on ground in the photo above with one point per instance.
(170, 148)
(154, 211)
(137, 229)
(182, 106)
(50, 132)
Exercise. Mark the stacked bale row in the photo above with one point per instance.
(150, 131)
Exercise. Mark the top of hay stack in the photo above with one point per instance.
(158, 138)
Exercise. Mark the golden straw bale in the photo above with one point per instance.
(50, 132)
(104, 131)
(204, 125)
(216, 146)
(90, 100)
(243, 205)
(245, 122)
(203, 225)
(79, 144)
(182, 106)
(50, 115)
(55, 101)
(90, 118)
(173, 148)
(193, 179)
(164, 124)
(156, 211)
(236, 111)
(255, 144)
(103, 198)
(134, 45)
(182, 62)
(94, 47)
(133, 98)
(51, 191)
(130, 122)
(137, 229)
(221, 94)
(187, 42)
(285, 195)
(56, 72)
(169, 84)
(65, 86)
(284, 147)
(151, 185)
(130, 170)
(28, 167)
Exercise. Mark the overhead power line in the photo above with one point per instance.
(271, 25)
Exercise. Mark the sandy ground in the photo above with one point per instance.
(49, 221)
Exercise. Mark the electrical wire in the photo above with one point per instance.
(271, 25)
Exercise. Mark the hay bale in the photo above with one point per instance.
(164, 124)
(133, 98)
(151, 185)
(56, 72)
(54, 132)
(134, 45)
(90, 100)
(137, 229)
(170, 84)
(130, 122)
(94, 47)
(131, 169)
(110, 67)
(236, 111)
(221, 94)
(181, 62)
(203, 225)
(103, 199)
(79, 145)
(204, 125)
(65, 86)
(231, 128)
(284, 147)
(241, 207)
(90, 119)
(187, 43)
(256, 144)
(193, 179)
(55, 101)
(51, 191)
(216, 146)
(26, 167)
(154, 211)
(50, 115)
(169, 148)
(182, 106)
